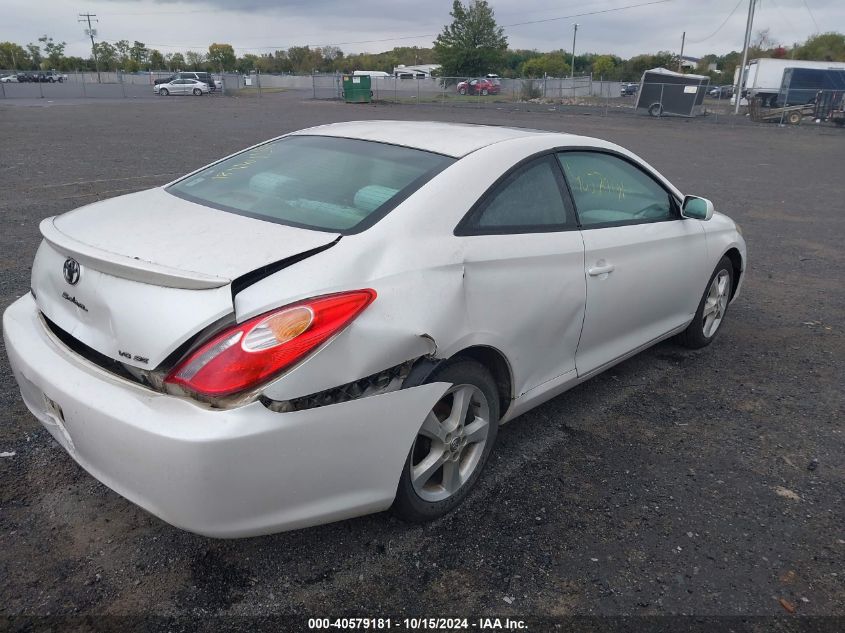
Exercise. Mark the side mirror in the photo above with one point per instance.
(697, 208)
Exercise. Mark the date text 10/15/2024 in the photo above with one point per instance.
(418, 624)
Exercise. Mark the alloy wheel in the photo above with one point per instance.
(450, 444)
(716, 303)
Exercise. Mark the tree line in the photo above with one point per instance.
(471, 45)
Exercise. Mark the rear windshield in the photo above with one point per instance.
(317, 182)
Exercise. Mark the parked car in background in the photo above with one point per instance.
(47, 76)
(722, 92)
(182, 87)
(628, 89)
(204, 77)
(165, 80)
(481, 86)
(337, 321)
(52, 77)
(9, 79)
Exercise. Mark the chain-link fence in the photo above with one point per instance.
(469, 91)
(587, 95)
(53, 85)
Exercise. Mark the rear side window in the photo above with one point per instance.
(528, 200)
(609, 191)
(316, 182)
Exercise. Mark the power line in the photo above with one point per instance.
(789, 27)
(721, 26)
(581, 15)
(812, 17)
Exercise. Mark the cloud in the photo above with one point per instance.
(374, 25)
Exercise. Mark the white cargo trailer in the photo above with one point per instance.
(763, 77)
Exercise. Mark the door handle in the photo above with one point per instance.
(601, 268)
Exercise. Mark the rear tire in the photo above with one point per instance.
(484, 92)
(710, 315)
(655, 109)
(794, 118)
(197, 92)
(462, 91)
(452, 445)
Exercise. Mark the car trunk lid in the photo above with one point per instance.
(151, 270)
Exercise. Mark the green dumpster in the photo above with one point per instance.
(356, 89)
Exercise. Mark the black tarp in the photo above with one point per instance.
(802, 85)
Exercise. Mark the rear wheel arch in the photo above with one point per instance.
(492, 359)
(736, 263)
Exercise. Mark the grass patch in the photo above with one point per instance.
(252, 91)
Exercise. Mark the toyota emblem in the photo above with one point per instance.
(71, 271)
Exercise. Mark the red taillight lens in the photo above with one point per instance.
(256, 350)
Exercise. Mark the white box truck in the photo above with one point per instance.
(763, 77)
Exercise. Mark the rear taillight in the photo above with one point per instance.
(248, 354)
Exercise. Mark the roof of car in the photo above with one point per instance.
(451, 139)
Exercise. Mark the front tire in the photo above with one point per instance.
(452, 445)
(711, 311)
(462, 91)
(163, 92)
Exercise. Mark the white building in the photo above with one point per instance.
(417, 71)
(690, 63)
(370, 73)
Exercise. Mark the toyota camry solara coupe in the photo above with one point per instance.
(336, 321)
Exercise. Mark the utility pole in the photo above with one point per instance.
(91, 32)
(574, 34)
(681, 56)
(741, 73)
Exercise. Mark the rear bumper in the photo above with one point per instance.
(233, 473)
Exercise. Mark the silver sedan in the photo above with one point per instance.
(182, 87)
(337, 321)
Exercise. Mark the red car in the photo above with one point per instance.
(484, 86)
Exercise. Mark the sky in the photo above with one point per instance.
(261, 26)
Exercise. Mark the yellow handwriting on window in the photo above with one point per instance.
(252, 157)
(595, 183)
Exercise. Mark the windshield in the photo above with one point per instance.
(316, 182)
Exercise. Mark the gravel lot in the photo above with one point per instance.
(707, 483)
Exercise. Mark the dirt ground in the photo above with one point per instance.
(708, 483)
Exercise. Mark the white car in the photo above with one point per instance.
(182, 87)
(338, 320)
(9, 79)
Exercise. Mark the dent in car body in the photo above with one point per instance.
(125, 436)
